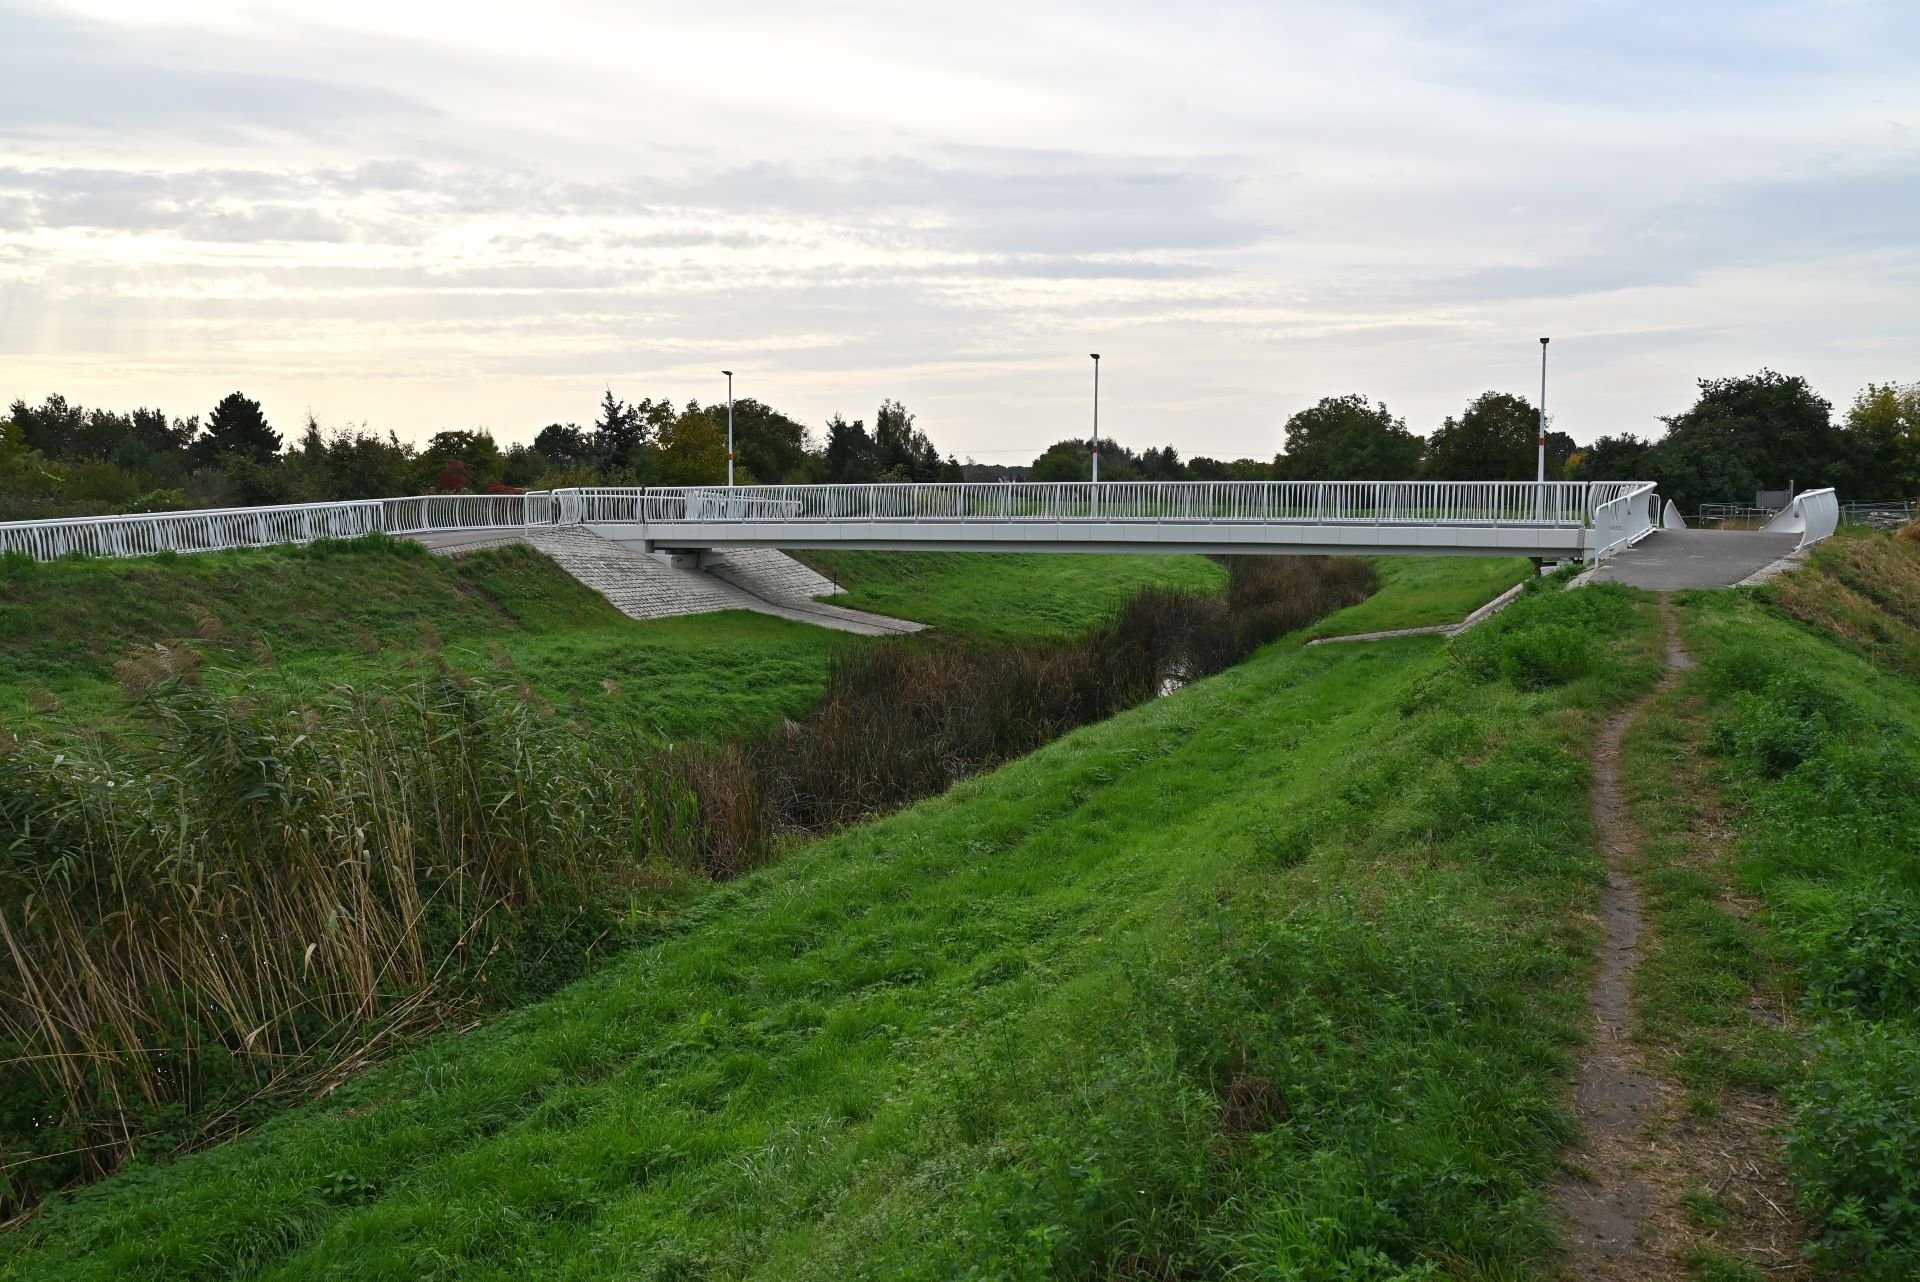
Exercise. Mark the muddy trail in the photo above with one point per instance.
(1623, 1200)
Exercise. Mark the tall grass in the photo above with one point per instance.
(238, 897)
(238, 894)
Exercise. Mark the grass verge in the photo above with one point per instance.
(1774, 785)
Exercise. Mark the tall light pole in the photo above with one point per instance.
(1096, 416)
(729, 374)
(1540, 476)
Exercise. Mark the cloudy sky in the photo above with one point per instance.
(446, 215)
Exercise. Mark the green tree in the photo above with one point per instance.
(52, 428)
(1065, 461)
(766, 442)
(1883, 431)
(1613, 458)
(481, 463)
(692, 450)
(237, 429)
(1162, 464)
(21, 468)
(563, 445)
(1348, 438)
(618, 432)
(364, 465)
(1495, 439)
(905, 453)
(850, 457)
(1750, 433)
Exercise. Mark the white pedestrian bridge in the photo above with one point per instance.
(1557, 520)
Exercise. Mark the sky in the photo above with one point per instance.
(423, 216)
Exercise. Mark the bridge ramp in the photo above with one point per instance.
(1674, 560)
(757, 579)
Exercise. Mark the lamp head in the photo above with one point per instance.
(1543, 342)
(1095, 355)
(729, 373)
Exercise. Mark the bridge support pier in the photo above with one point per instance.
(682, 558)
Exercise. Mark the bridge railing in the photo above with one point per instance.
(206, 531)
(1813, 516)
(219, 529)
(1602, 505)
(1557, 503)
(1622, 519)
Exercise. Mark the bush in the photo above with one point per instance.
(1856, 1128)
(1783, 726)
(158, 501)
(1546, 638)
(1551, 655)
(1859, 948)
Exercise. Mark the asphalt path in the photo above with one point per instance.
(1673, 560)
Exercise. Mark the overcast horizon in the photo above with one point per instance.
(425, 217)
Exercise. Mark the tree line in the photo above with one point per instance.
(1741, 435)
(60, 458)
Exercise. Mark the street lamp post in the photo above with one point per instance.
(729, 374)
(1540, 463)
(1541, 470)
(1096, 416)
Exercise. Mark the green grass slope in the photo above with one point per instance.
(1777, 785)
(1274, 977)
(1005, 594)
(76, 617)
(357, 611)
(1421, 591)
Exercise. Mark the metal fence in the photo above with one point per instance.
(1609, 506)
(220, 529)
(1880, 514)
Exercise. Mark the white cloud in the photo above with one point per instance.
(438, 215)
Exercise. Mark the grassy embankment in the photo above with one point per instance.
(1005, 594)
(1419, 591)
(1776, 787)
(274, 866)
(1277, 975)
(1023, 594)
(362, 612)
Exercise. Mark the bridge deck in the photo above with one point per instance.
(1674, 560)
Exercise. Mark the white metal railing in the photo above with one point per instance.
(1622, 519)
(1607, 507)
(1813, 516)
(218, 529)
(1557, 503)
(191, 531)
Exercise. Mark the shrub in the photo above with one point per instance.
(1855, 1130)
(1551, 655)
(1545, 639)
(1783, 726)
(1859, 948)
